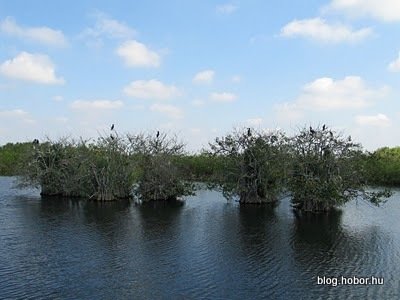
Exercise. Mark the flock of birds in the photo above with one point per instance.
(312, 131)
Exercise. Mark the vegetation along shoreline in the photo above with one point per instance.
(320, 168)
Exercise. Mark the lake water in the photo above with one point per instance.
(207, 248)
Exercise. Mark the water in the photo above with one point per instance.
(207, 248)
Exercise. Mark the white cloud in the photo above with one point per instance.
(136, 54)
(206, 76)
(96, 105)
(348, 93)
(326, 94)
(167, 109)
(318, 29)
(31, 67)
(385, 10)
(379, 120)
(394, 66)
(151, 89)
(226, 9)
(223, 97)
(106, 27)
(254, 121)
(43, 35)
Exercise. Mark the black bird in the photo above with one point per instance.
(323, 127)
(312, 131)
(111, 136)
(158, 134)
(248, 132)
(35, 142)
(112, 127)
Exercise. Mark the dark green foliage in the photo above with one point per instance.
(383, 166)
(327, 171)
(158, 173)
(199, 167)
(98, 170)
(253, 165)
(11, 156)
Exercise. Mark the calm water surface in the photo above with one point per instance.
(207, 248)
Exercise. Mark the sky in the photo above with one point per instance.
(198, 69)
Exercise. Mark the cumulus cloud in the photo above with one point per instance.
(206, 76)
(223, 97)
(348, 93)
(226, 9)
(31, 67)
(327, 94)
(379, 120)
(318, 29)
(171, 111)
(384, 10)
(87, 105)
(394, 66)
(106, 27)
(44, 35)
(151, 89)
(136, 54)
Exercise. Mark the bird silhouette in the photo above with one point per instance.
(312, 131)
(158, 134)
(35, 141)
(323, 127)
(112, 137)
(248, 132)
(112, 127)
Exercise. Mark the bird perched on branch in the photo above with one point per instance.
(323, 127)
(35, 142)
(112, 127)
(158, 134)
(312, 131)
(248, 132)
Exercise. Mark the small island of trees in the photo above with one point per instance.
(320, 168)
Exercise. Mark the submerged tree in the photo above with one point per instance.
(327, 171)
(253, 165)
(157, 172)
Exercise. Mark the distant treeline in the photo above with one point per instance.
(382, 165)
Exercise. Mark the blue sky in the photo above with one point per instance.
(199, 68)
